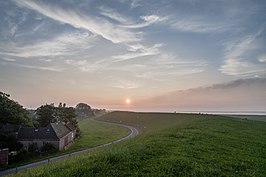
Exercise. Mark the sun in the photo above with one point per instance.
(127, 101)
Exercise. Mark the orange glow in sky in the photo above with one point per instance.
(127, 101)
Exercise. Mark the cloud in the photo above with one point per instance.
(237, 95)
(138, 50)
(112, 14)
(164, 67)
(198, 25)
(96, 25)
(8, 59)
(238, 83)
(124, 84)
(127, 22)
(262, 59)
(65, 44)
(241, 67)
(236, 49)
(135, 3)
(148, 20)
(45, 68)
(237, 62)
(86, 66)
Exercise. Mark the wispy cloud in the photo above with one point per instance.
(96, 25)
(236, 49)
(147, 21)
(128, 22)
(262, 58)
(168, 71)
(45, 68)
(65, 44)
(237, 95)
(135, 3)
(124, 84)
(86, 66)
(114, 15)
(237, 62)
(138, 50)
(198, 25)
(164, 67)
(8, 59)
(242, 67)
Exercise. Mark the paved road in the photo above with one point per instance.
(134, 132)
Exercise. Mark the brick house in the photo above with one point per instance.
(58, 134)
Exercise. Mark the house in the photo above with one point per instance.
(58, 134)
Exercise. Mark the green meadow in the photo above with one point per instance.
(172, 145)
(96, 133)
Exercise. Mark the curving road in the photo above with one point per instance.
(134, 133)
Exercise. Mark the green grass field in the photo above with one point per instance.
(204, 145)
(96, 133)
(250, 117)
(150, 122)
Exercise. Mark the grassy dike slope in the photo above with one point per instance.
(97, 133)
(204, 146)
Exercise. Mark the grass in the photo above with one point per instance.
(150, 122)
(206, 145)
(93, 134)
(96, 133)
(250, 117)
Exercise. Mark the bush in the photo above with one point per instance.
(33, 148)
(48, 147)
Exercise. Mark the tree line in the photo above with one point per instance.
(14, 113)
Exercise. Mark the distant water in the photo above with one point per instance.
(226, 113)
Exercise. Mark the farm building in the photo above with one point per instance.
(58, 134)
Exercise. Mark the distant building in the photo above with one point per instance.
(58, 134)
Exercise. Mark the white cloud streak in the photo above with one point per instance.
(262, 59)
(66, 44)
(45, 68)
(138, 50)
(96, 25)
(148, 20)
(112, 14)
(123, 84)
(8, 59)
(197, 25)
(86, 66)
(238, 63)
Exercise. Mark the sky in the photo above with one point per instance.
(169, 55)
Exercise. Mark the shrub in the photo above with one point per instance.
(48, 147)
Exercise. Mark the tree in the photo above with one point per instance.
(12, 112)
(83, 110)
(46, 114)
(67, 115)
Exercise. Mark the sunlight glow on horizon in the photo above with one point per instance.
(128, 101)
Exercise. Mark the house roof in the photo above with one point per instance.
(60, 129)
(42, 133)
(54, 131)
(9, 129)
(71, 126)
